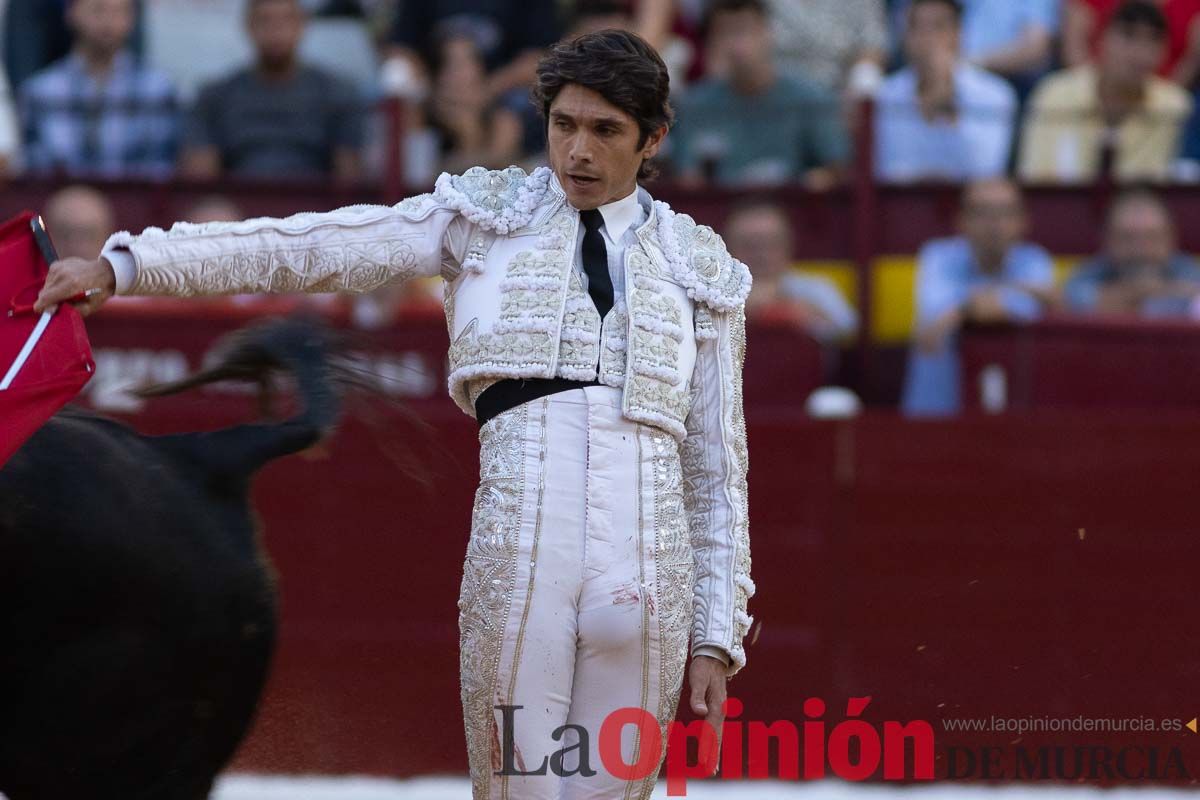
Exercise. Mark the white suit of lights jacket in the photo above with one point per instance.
(504, 242)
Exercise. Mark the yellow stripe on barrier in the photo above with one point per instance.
(894, 289)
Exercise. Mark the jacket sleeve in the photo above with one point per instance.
(715, 465)
(356, 249)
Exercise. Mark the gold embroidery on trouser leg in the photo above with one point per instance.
(537, 531)
(674, 571)
(487, 584)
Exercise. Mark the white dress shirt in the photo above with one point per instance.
(621, 221)
(975, 144)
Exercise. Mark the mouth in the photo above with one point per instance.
(582, 181)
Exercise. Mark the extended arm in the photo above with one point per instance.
(357, 249)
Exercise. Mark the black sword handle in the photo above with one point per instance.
(42, 237)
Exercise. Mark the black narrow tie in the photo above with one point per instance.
(595, 262)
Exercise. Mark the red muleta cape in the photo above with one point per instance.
(61, 362)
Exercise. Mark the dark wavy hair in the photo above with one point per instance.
(954, 5)
(1139, 14)
(622, 68)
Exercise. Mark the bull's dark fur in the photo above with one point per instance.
(137, 610)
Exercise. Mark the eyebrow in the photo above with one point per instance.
(616, 121)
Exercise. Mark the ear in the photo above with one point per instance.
(653, 142)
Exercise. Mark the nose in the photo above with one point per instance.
(581, 148)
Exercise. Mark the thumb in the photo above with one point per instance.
(47, 296)
(698, 704)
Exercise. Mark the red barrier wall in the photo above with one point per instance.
(1029, 567)
(1072, 363)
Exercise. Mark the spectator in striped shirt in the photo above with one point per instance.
(97, 112)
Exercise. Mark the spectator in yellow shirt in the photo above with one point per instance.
(1114, 115)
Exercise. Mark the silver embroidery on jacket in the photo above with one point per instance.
(579, 342)
(654, 390)
(525, 339)
(196, 259)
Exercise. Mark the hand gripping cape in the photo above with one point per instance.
(44, 359)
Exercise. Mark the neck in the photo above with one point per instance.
(276, 70)
(990, 261)
(927, 80)
(621, 194)
(753, 80)
(98, 62)
(1118, 97)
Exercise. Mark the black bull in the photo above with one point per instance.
(137, 609)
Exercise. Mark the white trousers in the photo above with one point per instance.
(576, 596)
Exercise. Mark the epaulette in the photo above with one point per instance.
(500, 200)
(700, 261)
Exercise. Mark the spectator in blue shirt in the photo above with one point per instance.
(96, 111)
(1012, 38)
(985, 275)
(1140, 271)
(941, 117)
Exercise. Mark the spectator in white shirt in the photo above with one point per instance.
(940, 117)
(9, 135)
(759, 233)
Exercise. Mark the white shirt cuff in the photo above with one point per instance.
(124, 267)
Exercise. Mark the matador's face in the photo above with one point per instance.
(594, 147)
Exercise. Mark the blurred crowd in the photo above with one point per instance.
(766, 90)
(990, 273)
(767, 93)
